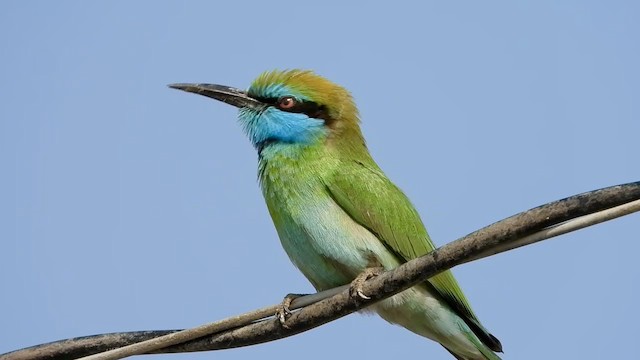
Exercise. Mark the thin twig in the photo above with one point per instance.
(525, 228)
(565, 227)
(207, 329)
(244, 319)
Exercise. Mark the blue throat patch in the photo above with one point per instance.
(272, 125)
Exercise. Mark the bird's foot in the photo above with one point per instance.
(284, 310)
(356, 285)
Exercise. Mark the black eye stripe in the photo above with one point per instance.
(268, 101)
(309, 108)
(305, 107)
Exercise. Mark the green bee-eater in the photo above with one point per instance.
(335, 211)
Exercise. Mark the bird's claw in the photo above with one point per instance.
(362, 294)
(284, 310)
(356, 285)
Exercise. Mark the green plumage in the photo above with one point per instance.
(319, 174)
(367, 195)
(336, 212)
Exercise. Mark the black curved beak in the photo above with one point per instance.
(229, 95)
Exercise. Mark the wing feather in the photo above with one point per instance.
(373, 201)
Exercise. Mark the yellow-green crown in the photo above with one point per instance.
(308, 86)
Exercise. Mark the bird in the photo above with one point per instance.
(337, 214)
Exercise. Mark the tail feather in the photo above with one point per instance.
(452, 353)
(484, 350)
(483, 334)
(473, 323)
(486, 353)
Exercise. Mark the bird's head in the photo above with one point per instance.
(293, 106)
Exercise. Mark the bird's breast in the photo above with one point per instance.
(321, 239)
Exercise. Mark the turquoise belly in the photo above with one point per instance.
(328, 247)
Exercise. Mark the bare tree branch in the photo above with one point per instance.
(534, 225)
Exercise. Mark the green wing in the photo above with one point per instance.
(373, 201)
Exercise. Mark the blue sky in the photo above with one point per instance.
(127, 205)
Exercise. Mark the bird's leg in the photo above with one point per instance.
(283, 311)
(356, 285)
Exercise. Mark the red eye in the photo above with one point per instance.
(287, 102)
